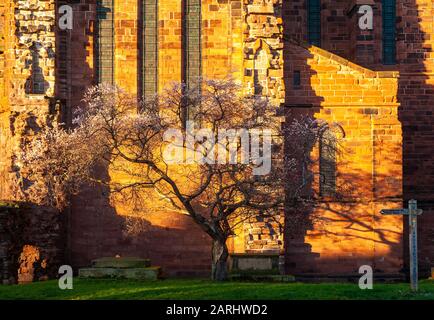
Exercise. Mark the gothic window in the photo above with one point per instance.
(314, 22)
(104, 42)
(149, 47)
(296, 80)
(389, 31)
(327, 164)
(192, 46)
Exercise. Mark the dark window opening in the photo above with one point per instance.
(389, 31)
(191, 49)
(149, 47)
(296, 79)
(327, 163)
(314, 22)
(104, 42)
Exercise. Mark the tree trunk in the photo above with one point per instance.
(220, 256)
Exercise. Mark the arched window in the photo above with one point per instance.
(314, 22)
(389, 31)
(327, 164)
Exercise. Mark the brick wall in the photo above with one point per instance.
(29, 75)
(30, 243)
(340, 236)
(416, 95)
(246, 39)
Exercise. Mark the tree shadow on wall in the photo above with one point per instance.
(416, 96)
(349, 220)
(95, 228)
(300, 98)
(170, 240)
(336, 234)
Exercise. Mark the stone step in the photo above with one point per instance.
(150, 273)
(124, 262)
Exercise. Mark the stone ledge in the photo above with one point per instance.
(151, 273)
(122, 263)
(262, 277)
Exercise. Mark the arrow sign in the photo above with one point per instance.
(399, 212)
(395, 212)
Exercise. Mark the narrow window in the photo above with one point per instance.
(104, 42)
(62, 58)
(314, 22)
(149, 47)
(327, 164)
(389, 31)
(296, 79)
(192, 46)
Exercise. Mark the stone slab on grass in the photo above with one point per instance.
(127, 262)
(254, 264)
(263, 277)
(150, 273)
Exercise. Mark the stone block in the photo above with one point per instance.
(263, 277)
(150, 273)
(125, 262)
(254, 264)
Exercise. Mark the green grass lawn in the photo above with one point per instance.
(202, 289)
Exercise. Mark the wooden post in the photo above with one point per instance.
(412, 212)
(412, 217)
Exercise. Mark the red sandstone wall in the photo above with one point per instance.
(415, 93)
(346, 234)
(170, 240)
(327, 81)
(97, 220)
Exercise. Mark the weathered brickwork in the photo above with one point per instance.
(263, 49)
(30, 243)
(416, 65)
(170, 44)
(384, 115)
(29, 77)
(222, 38)
(26, 105)
(362, 103)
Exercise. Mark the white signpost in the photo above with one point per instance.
(412, 212)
